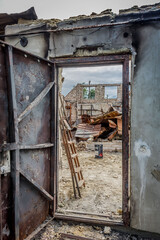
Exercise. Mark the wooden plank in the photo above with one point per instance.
(14, 137)
(78, 169)
(112, 124)
(37, 186)
(111, 136)
(65, 236)
(36, 101)
(70, 142)
(119, 123)
(81, 183)
(67, 125)
(74, 155)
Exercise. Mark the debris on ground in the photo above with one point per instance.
(58, 230)
(106, 126)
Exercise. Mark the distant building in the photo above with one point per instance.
(93, 99)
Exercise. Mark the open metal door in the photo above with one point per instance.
(29, 120)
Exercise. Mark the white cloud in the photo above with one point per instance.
(97, 75)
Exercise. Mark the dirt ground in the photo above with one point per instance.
(56, 229)
(102, 194)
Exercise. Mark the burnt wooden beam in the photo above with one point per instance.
(36, 185)
(65, 236)
(36, 101)
(14, 137)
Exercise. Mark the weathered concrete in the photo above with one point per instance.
(145, 131)
(37, 44)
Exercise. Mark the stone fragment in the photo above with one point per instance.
(107, 230)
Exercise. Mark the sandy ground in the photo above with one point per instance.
(103, 191)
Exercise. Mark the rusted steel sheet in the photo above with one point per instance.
(28, 140)
(32, 77)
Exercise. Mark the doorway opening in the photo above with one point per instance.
(92, 130)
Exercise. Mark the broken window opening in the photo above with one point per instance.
(111, 92)
(88, 92)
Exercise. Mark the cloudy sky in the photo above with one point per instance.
(63, 9)
(97, 75)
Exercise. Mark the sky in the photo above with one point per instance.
(97, 75)
(63, 9)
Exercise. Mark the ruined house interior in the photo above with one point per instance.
(79, 118)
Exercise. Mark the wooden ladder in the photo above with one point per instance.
(71, 151)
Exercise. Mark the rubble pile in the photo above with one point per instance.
(106, 126)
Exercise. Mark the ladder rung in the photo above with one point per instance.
(70, 142)
(80, 183)
(74, 155)
(66, 125)
(78, 169)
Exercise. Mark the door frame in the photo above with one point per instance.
(90, 61)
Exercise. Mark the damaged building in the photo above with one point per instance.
(93, 99)
(47, 174)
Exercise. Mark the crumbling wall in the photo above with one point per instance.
(72, 95)
(96, 105)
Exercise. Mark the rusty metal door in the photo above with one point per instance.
(27, 95)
